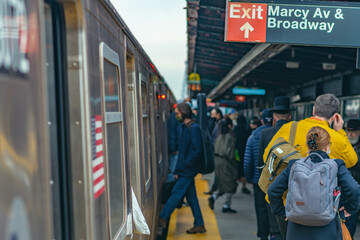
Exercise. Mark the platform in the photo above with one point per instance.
(219, 225)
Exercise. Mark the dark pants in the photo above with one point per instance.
(214, 187)
(274, 226)
(282, 226)
(262, 217)
(351, 223)
(183, 187)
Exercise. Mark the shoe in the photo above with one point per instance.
(245, 190)
(197, 229)
(228, 210)
(211, 202)
(209, 193)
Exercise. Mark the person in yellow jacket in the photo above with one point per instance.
(325, 113)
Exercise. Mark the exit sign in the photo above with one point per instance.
(308, 23)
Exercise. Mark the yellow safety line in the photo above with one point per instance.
(182, 219)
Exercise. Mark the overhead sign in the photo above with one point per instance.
(248, 91)
(311, 23)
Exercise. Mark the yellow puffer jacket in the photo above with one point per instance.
(340, 147)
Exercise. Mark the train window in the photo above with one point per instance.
(351, 109)
(113, 138)
(146, 129)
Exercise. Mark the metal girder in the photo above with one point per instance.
(246, 64)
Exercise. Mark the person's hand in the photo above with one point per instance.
(338, 122)
(346, 214)
(176, 176)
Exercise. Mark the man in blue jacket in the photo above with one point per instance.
(190, 151)
(252, 174)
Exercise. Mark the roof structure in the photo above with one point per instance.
(277, 68)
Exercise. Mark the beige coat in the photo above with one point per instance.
(225, 163)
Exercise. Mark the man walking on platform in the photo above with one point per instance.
(190, 150)
(252, 174)
(281, 115)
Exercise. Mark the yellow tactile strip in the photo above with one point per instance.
(183, 219)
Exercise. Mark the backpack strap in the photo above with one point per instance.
(293, 132)
(273, 174)
(271, 149)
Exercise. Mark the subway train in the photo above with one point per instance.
(83, 123)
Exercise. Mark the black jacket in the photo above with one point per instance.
(265, 138)
(350, 194)
(173, 129)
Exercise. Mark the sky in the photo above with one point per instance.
(160, 28)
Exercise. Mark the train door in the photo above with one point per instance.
(109, 166)
(25, 200)
(58, 121)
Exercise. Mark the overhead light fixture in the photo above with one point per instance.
(292, 65)
(329, 66)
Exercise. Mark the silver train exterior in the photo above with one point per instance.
(83, 122)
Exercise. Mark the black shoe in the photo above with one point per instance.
(211, 202)
(245, 190)
(228, 210)
(209, 193)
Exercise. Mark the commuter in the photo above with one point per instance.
(216, 115)
(242, 133)
(188, 165)
(173, 126)
(254, 123)
(281, 115)
(252, 174)
(225, 166)
(353, 132)
(318, 143)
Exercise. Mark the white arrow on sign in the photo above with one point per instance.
(247, 27)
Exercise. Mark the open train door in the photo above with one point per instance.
(208, 163)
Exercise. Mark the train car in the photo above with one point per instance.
(83, 123)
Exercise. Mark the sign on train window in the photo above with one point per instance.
(114, 159)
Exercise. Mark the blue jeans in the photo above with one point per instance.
(172, 165)
(183, 187)
(351, 223)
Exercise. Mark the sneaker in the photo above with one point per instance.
(197, 229)
(211, 202)
(245, 190)
(228, 210)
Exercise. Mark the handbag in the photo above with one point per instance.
(345, 232)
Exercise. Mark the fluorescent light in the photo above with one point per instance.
(292, 65)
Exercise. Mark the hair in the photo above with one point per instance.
(218, 111)
(326, 105)
(283, 116)
(185, 110)
(255, 121)
(224, 125)
(317, 138)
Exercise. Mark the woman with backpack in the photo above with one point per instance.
(314, 185)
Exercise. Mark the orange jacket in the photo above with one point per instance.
(340, 147)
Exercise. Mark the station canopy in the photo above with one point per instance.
(280, 69)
